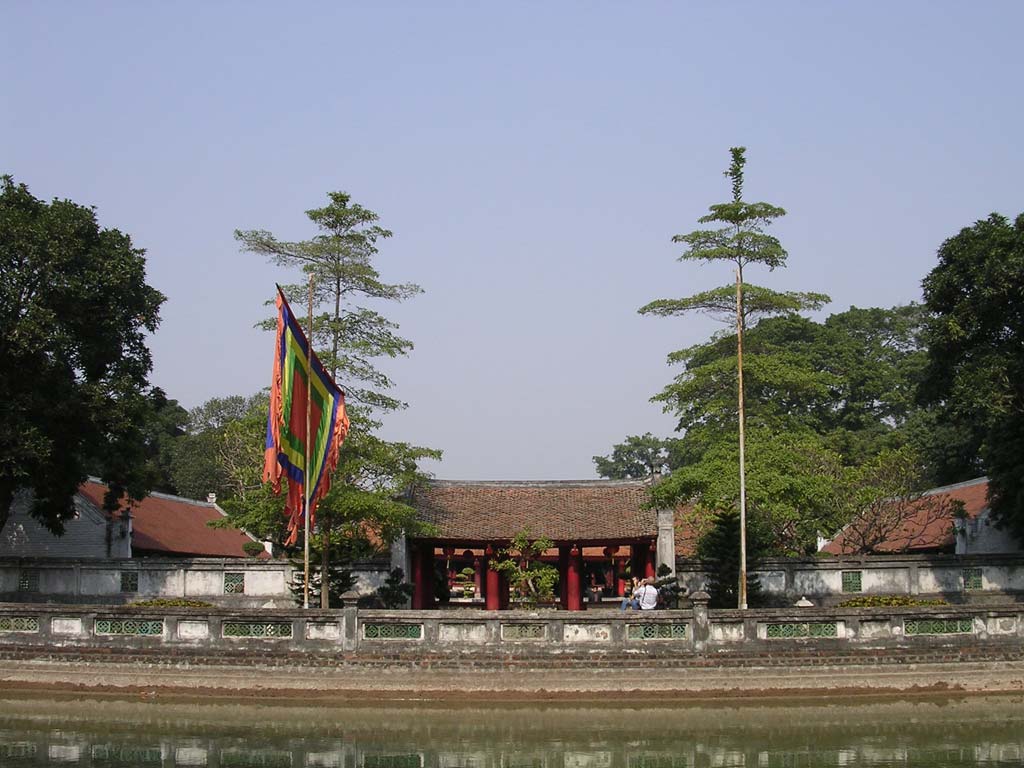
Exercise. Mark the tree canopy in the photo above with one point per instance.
(974, 381)
(75, 309)
(349, 336)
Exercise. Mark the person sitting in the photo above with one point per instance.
(647, 595)
(631, 600)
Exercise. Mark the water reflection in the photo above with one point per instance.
(48, 731)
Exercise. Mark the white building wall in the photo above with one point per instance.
(85, 536)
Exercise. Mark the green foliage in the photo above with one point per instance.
(719, 551)
(74, 313)
(974, 382)
(887, 601)
(170, 602)
(636, 458)
(253, 548)
(350, 336)
(395, 592)
(529, 579)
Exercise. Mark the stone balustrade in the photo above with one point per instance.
(584, 634)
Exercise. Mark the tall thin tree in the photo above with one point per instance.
(741, 239)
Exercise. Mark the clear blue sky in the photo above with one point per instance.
(533, 159)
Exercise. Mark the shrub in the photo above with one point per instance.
(253, 548)
(170, 602)
(887, 601)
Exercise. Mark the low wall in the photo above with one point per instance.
(462, 635)
(242, 583)
(833, 579)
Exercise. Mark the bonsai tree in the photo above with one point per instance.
(529, 579)
(668, 587)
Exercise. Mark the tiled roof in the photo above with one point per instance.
(563, 511)
(925, 530)
(175, 526)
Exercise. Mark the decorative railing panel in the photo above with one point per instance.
(140, 627)
(656, 631)
(938, 626)
(793, 629)
(523, 631)
(280, 629)
(19, 624)
(392, 631)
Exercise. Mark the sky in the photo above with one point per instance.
(533, 159)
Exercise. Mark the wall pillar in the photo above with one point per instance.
(574, 599)
(666, 547)
(563, 577)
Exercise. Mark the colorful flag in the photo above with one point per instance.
(286, 422)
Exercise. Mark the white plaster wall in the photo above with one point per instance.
(885, 581)
(772, 581)
(817, 582)
(100, 582)
(265, 583)
(204, 583)
(162, 583)
(940, 579)
(62, 581)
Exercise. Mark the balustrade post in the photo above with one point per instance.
(701, 623)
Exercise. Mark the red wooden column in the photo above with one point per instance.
(574, 600)
(502, 592)
(563, 577)
(640, 560)
(428, 576)
(417, 578)
(649, 564)
(478, 575)
(492, 593)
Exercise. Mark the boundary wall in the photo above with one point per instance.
(259, 583)
(829, 580)
(237, 582)
(464, 635)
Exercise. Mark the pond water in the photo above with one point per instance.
(45, 730)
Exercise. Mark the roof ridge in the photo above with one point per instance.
(165, 496)
(955, 486)
(537, 483)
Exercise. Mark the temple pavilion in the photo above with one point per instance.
(601, 531)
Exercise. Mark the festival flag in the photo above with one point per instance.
(286, 423)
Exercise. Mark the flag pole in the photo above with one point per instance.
(306, 471)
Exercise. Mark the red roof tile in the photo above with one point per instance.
(175, 526)
(563, 511)
(925, 530)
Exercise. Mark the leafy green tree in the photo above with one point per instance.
(974, 382)
(884, 505)
(350, 337)
(636, 458)
(74, 313)
(528, 577)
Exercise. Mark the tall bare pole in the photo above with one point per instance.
(743, 470)
(309, 447)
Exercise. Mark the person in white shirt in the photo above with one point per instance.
(648, 595)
